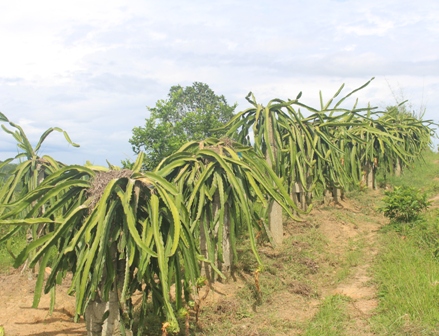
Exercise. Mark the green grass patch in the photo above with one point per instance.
(407, 275)
(331, 319)
(351, 258)
(407, 269)
(420, 174)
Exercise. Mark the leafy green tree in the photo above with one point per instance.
(188, 114)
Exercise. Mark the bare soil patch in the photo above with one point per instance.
(19, 318)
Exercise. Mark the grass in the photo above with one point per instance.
(421, 175)
(351, 258)
(407, 274)
(331, 318)
(407, 269)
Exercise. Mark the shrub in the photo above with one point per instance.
(404, 204)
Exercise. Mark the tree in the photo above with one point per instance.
(188, 114)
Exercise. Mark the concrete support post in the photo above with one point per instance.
(275, 211)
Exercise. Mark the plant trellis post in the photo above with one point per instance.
(275, 212)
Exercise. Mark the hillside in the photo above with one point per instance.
(343, 270)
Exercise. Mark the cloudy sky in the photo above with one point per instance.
(92, 67)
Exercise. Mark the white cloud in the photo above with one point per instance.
(92, 67)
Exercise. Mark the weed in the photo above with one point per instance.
(404, 204)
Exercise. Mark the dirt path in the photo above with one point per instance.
(363, 295)
(358, 284)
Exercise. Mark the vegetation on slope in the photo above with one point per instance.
(152, 226)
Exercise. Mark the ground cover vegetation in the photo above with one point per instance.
(164, 231)
(407, 270)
